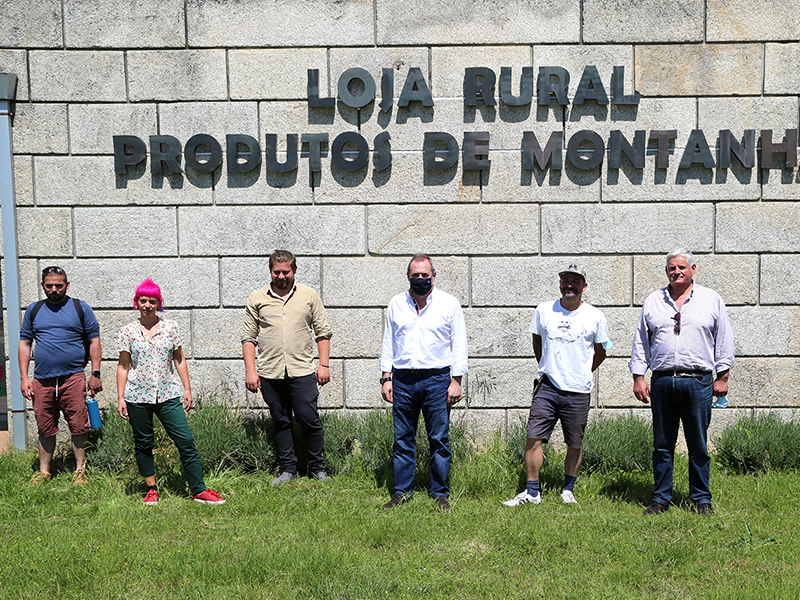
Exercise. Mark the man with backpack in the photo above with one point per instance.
(67, 336)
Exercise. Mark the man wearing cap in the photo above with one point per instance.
(684, 334)
(423, 358)
(570, 338)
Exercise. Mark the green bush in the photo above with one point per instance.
(219, 434)
(229, 437)
(618, 443)
(111, 447)
(759, 443)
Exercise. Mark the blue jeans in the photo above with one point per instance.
(675, 400)
(415, 392)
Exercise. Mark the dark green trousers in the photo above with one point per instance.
(173, 418)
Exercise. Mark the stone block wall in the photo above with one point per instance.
(92, 69)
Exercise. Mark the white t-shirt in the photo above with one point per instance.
(568, 340)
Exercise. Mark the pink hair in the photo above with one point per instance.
(149, 288)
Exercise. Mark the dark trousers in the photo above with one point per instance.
(295, 397)
(677, 400)
(173, 418)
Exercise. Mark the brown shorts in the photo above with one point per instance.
(71, 399)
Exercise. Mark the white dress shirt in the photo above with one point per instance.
(434, 338)
(705, 341)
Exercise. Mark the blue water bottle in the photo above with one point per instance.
(94, 413)
(720, 401)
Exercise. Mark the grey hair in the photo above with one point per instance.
(419, 257)
(682, 252)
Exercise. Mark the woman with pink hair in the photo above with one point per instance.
(152, 376)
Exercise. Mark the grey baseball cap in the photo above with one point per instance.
(574, 268)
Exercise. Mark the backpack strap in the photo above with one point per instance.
(86, 343)
(35, 310)
(79, 310)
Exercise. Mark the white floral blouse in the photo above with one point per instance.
(152, 377)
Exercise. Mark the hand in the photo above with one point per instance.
(188, 402)
(453, 392)
(27, 388)
(95, 385)
(720, 387)
(640, 389)
(252, 382)
(323, 375)
(387, 391)
(122, 408)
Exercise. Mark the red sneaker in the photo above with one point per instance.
(151, 498)
(208, 497)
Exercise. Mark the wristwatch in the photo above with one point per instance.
(385, 379)
(96, 374)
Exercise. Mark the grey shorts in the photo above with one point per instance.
(551, 404)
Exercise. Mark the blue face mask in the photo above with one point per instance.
(421, 286)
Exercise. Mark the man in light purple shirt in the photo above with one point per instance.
(423, 359)
(684, 336)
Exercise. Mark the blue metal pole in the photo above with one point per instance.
(8, 86)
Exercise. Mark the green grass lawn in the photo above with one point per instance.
(333, 540)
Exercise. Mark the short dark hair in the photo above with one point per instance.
(419, 257)
(47, 271)
(282, 256)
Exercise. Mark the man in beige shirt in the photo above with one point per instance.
(282, 320)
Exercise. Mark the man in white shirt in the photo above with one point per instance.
(423, 358)
(570, 338)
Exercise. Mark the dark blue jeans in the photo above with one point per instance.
(678, 400)
(415, 392)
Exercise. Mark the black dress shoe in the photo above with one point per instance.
(397, 500)
(442, 503)
(655, 509)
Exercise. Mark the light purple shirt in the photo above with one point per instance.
(433, 339)
(705, 341)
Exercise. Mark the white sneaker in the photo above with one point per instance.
(567, 497)
(523, 498)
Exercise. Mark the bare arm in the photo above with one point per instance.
(387, 391)
(324, 372)
(454, 390)
(640, 389)
(251, 379)
(122, 380)
(537, 347)
(183, 373)
(599, 356)
(96, 355)
(721, 383)
(24, 356)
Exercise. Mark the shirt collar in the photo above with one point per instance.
(285, 298)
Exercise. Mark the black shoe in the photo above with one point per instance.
(656, 509)
(442, 503)
(397, 500)
(705, 509)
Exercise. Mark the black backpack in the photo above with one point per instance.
(79, 309)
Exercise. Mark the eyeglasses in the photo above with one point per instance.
(677, 319)
(52, 271)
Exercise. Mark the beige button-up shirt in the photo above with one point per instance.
(284, 330)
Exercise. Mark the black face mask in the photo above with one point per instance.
(421, 286)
